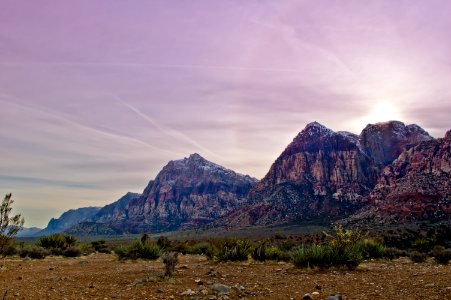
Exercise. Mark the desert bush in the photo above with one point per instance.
(423, 244)
(392, 253)
(34, 252)
(441, 255)
(9, 226)
(418, 257)
(169, 260)
(9, 249)
(310, 256)
(259, 252)
(233, 250)
(145, 238)
(138, 250)
(275, 253)
(370, 248)
(163, 242)
(57, 242)
(101, 246)
(199, 248)
(71, 252)
(344, 247)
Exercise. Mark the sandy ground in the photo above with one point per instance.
(102, 276)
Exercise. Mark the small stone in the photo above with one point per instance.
(50, 269)
(307, 297)
(318, 287)
(91, 286)
(159, 290)
(184, 267)
(334, 297)
(315, 294)
(220, 288)
(188, 292)
(429, 285)
(20, 277)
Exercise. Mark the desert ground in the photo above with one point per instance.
(102, 276)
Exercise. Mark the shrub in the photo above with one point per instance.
(259, 252)
(233, 250)
(138, 250)
(34, 252)
(169, 260)
(275, 253)
(100, 246)
(344, 247)
(57, 242)
(9, 249)
(418, 257)
(423, 244)
(441, 255)
(71, 252)
(145, 238)
(371, 249)
(163, 242)
(392, 253)
(309, 256)
(199, 248)
(9, 226)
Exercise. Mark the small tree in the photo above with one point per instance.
(9, 226)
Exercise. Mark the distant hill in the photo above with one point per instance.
(29, 232)
(68, 219)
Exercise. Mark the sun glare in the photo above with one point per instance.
(381, 112)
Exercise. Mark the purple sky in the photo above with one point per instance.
(96, 96)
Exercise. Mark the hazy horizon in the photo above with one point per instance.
(97, 96)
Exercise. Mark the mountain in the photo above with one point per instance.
(186, 193)
(324, 175)
(415, 187)
(69, 219)
(28, 232)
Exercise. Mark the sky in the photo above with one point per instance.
(97, 96)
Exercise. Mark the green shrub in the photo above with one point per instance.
(57, 241)
(310, 256)
(423, 244)
(199, 248)
(34, 252)
(233, 250)
(71, 252)
(441, 255)
(163, 242)
(259, 252)
(275, 253)
(100, 246)
(9, 249)
(371, 249)
(344, 247)
(392, 253)
(145, 238)
(137, 250)
(418, 257)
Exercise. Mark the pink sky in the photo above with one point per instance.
(96, 96)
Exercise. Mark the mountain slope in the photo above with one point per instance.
(415, 187)
(324, 175)
(186, 193)
(69, 219)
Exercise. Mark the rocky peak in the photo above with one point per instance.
(385, 141)
(313, 130)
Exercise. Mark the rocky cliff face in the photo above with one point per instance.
(415, 187)
(323, 175)
(69, 219)
(186, 193)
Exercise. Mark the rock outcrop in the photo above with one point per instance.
(187, 193)
(324, 175)
(415, 187)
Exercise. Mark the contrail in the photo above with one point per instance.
(87, 128)
(167, 131)
(159, 66)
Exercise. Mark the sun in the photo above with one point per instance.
(381, 112)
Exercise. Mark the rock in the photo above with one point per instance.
(188, 292)
(318, 287)
(307, 297)
(159, 290)
(334, 297)
(220, 289)
(199, 282)
(315, 294)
